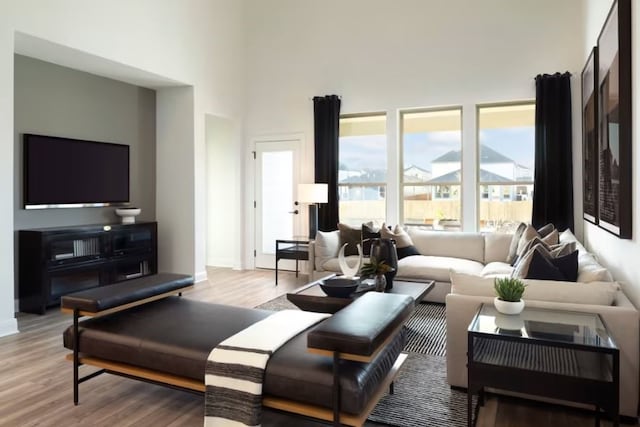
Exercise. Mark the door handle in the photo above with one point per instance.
(294, 212)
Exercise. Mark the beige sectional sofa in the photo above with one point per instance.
(473, 260)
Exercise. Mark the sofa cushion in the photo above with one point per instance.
(496, 247)
(546, 267)
(369, 231)
(597, 293)
(435, 267)
(515, 240)
(352, 236)
(468, 246)
(334, 265)
(327, 246)
(398, 234)
(496, 269)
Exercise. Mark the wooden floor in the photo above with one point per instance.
(36, 381)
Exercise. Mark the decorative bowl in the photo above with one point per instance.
(128, 214)
(339, 287)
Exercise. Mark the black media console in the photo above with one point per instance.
(56, 261)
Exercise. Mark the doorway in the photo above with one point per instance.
(277, 215)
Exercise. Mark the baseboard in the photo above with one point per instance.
(201, 276)
(8, 327)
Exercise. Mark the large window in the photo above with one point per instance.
(506, 149)
(432, 168)
(362, 171)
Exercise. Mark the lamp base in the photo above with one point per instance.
(313, 221)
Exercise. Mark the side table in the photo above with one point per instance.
(296, 248)
(558, 354)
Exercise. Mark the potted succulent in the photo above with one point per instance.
(509, 295)
(376, 269)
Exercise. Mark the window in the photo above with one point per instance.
(506, 149)
(362, 171)
(432, 167)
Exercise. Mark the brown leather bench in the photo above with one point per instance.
(166, 339)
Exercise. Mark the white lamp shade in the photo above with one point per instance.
(313, 193)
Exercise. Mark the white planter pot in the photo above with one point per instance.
(508, 307)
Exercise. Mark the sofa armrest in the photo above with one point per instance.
(623, 322)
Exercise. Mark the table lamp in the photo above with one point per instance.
(312, 194)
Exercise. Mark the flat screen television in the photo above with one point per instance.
(65, 172)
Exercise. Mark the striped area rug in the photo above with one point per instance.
(422, 395)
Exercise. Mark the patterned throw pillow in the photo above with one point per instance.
(513, 247)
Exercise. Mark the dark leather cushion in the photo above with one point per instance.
(362, 326)
(175, 335)
(110, 296)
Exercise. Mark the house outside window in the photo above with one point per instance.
(431, 167)
(362, 171)
(506, 156)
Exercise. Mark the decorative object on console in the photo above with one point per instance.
(379, 269)
(384, 250)
(339, 287)
(369, 231)
(344, 266)
(614, 122)
(128, 215)
(312, 194)
(509, 295)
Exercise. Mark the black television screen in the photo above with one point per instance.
(65, 171)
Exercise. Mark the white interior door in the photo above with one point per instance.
(276, 214)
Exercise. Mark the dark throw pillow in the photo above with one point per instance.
(369, 231)
(563, 269)
(350, 235)
(407, 251)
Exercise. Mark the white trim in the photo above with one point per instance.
(8, 327)
(201, 276)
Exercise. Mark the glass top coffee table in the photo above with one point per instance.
(558, 354)
(311, 297)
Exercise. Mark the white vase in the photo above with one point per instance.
(348, 271)
(508, 307)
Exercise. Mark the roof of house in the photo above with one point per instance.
(455, 176)
(487, 155)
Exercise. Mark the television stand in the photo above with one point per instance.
(56, 261)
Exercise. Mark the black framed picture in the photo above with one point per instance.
(614, 122)
(590, 138)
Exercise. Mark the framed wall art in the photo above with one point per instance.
(590, 138)
(614, 122)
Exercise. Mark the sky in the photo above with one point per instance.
(370, 152)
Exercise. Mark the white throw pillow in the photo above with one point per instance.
(596, 293)
(327, 247)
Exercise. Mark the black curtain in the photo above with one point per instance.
(326, 120)
(553, 180)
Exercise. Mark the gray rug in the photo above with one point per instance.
(422, 395)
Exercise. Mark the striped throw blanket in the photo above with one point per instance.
(235, 368)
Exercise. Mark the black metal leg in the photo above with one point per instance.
(469, 407)
(391, 389)
(76, 363)
(296, 267)
(336, 389)
(597, 416)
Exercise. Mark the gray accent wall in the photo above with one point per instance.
(59, 101)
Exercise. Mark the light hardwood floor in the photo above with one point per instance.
(36, 381)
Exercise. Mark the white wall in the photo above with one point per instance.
(382, 56)
(619, 255)
(196, 42)
(223, 189)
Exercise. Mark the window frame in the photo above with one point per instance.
(479, 183)
(400, 145)
(367, 184)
